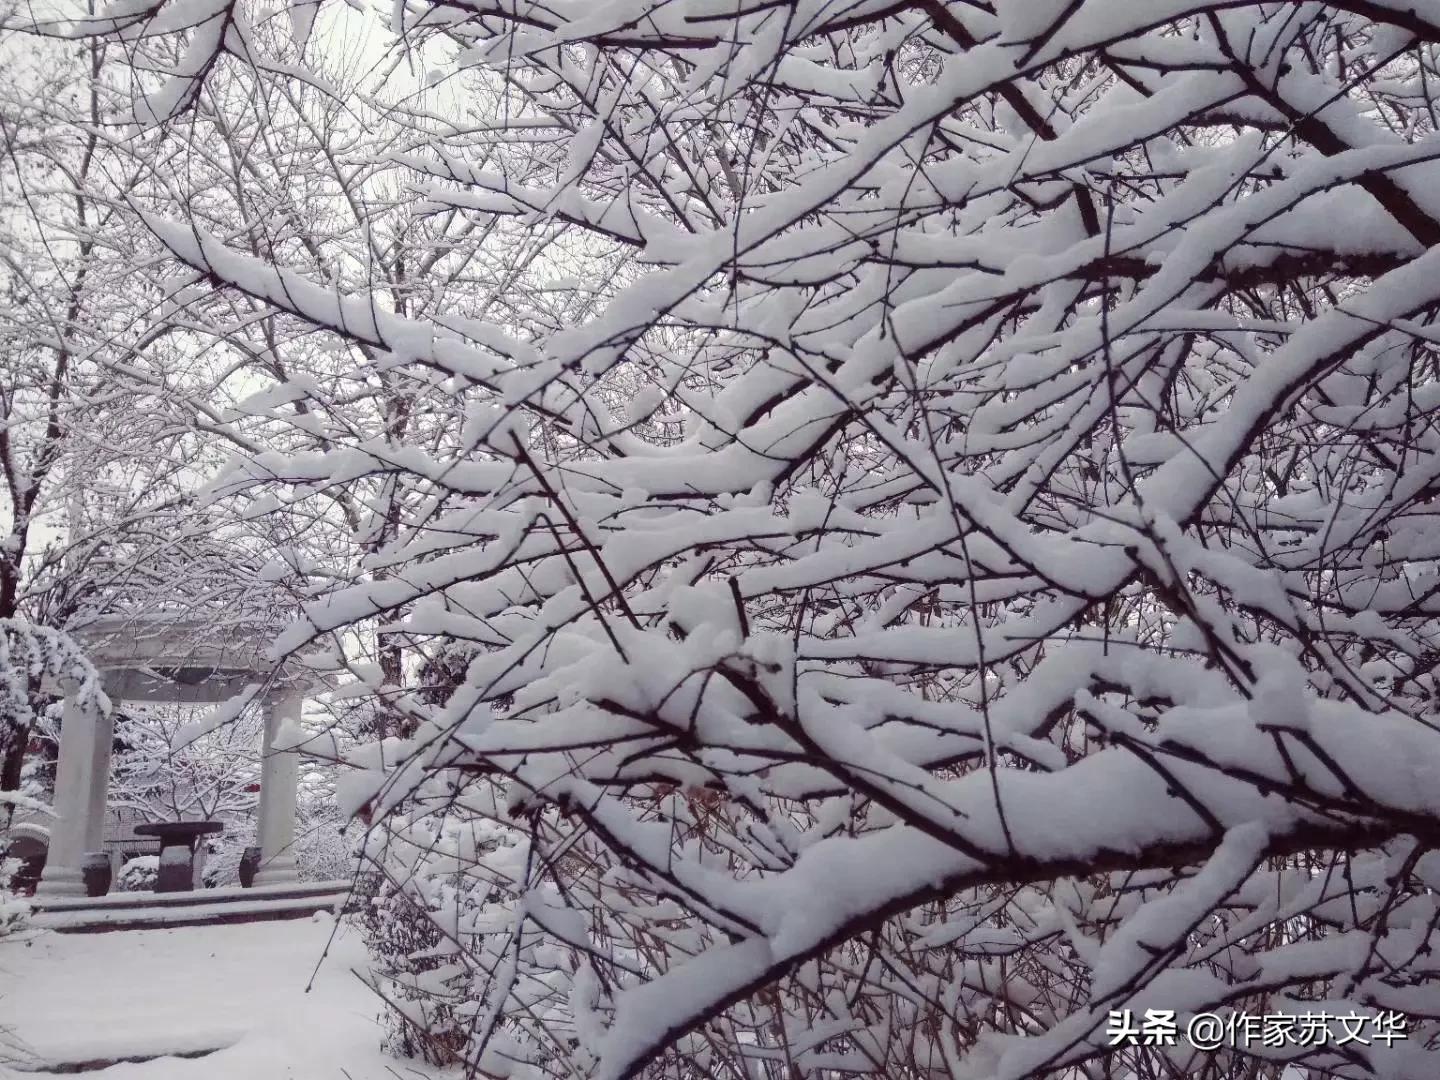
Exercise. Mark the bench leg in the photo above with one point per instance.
(177, 870)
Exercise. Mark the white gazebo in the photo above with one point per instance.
(166, 657)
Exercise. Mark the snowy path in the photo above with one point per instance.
(83, 997)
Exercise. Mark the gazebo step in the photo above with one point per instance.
(90, 1054)
(100, 920)
(207, 897)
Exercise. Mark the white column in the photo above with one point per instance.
(279, 778)
(82, 781)
(99, 784)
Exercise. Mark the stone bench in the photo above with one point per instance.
(178, 841)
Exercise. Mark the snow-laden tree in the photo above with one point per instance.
(163, 774)
(29, 656)
(959, 558)
(98, 457)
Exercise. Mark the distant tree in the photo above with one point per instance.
(164, 774)
(97, 455)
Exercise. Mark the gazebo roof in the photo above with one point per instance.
(181, 656)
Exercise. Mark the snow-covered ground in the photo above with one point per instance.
(87, 997)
